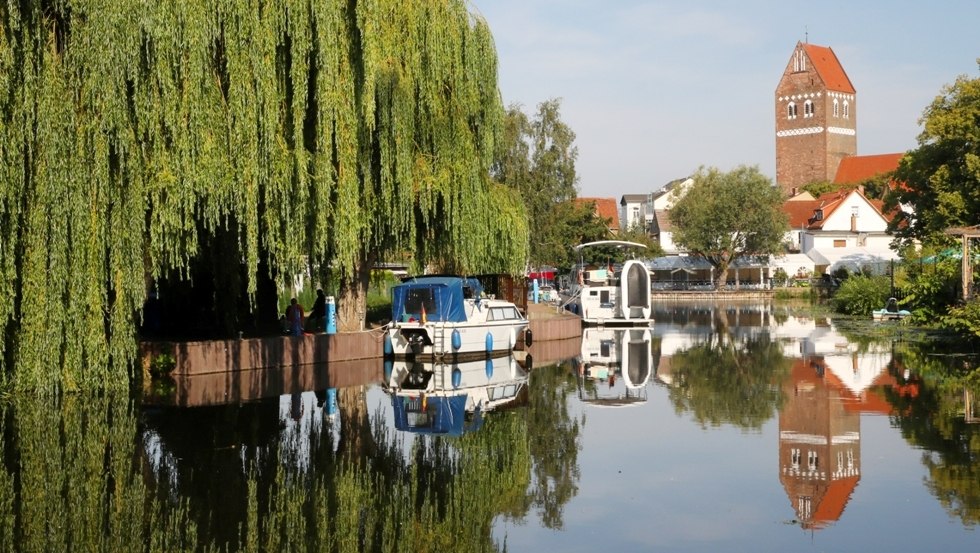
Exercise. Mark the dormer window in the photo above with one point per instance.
(808, 109)
(818, 215)
(791, 110)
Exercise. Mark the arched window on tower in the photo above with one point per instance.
(808, 108)
(847, 110)
(791, 110)
(836, 108)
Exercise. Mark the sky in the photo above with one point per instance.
(656, 89)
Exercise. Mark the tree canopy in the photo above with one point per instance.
(536, 157)
(723, 216)
(941, 178)
(323, 132)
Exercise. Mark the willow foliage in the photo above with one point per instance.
(337, 132)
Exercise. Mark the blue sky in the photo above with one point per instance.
(653, 90)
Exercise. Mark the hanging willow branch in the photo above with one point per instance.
(328, 130)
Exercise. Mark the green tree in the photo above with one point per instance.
(723, 216)
(941, 178)
(536, 157)
(134, 136)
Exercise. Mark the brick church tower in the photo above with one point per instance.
(816, 118)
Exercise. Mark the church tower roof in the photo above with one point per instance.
(828, 68)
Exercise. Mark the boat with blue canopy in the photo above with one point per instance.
(438, 316)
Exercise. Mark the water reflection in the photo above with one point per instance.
(881, 435)
(450, 398)
(614, 366)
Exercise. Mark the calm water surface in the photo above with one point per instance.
(748, 428)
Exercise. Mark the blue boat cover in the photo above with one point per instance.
(442, 415)
(442, 297)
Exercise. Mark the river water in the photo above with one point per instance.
(720, 428)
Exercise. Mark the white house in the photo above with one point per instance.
(635, 210)
(841, 229)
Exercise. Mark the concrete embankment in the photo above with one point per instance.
(548, 327)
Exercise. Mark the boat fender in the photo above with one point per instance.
(389, 367)
(457, 377)
(457, 339)
(489, 342)
(389, 349)
(527, 337)
(489, 368)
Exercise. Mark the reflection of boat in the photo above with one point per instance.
(891, 312)
(435, 316)
(615, 365)
(451, 398)
(605, 295)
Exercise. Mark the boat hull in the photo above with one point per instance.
(435, 341)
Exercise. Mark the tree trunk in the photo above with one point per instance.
(352, 303)
(722, 275)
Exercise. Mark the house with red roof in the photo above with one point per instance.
(606, 209)
(843, 229)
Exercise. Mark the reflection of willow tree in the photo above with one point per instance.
(356, 441)
(74, 478)
(933, 419)
(441, 495)
(727, 381)
(69, 481)
(553, 433)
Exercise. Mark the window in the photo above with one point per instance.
(840, 243)
(808, 109)
(417, 298)
(799, 62)
(503, 314)
(854, 211)
(791, 110)
(847, 110)
(836, 108)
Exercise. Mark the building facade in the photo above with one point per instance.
(816, 118)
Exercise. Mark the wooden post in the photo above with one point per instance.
(967, 270)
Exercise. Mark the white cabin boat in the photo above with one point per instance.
(604, 294)
(435, 317)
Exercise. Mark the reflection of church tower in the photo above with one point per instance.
(819, 445)
(816, 117)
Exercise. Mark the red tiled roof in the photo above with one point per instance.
(829, 68)
(607, 208)
(801, 212)
(855, 169)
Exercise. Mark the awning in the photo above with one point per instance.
(853, 259)
(794, 264)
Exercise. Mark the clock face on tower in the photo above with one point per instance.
(816, 118)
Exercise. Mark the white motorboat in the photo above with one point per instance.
(603, 293)
(435, 317)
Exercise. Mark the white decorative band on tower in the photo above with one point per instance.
(800, 132)
(841, 130)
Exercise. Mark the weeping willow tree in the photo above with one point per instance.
(323, 133)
